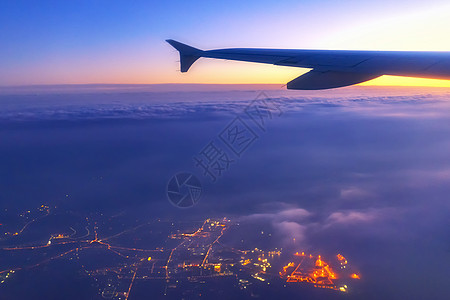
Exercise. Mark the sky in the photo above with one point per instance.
(78, 42)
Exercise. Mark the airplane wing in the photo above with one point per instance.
(331, 68)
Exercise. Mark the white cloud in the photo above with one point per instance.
(291, 230)
(353, 192)
(289, 222)
(351, 217)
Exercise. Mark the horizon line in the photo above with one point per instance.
(197, 83)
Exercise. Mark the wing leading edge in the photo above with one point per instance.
(330, 68)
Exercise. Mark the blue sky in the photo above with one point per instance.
(123, 41)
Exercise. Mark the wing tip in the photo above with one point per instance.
(188, 54)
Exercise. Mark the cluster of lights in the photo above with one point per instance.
(274, 253)
(257, 276)
(342, 260)
(320, 274)
(263, 263)
(6, 276)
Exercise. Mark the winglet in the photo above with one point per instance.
(188, 54)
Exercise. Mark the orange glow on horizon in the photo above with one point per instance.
(282, 77)
(210, 71)
(386, 80)
(205, 72)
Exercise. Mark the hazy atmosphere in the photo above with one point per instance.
(300, 171)
(365, 172)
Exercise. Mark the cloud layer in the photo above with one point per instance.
(363, 172)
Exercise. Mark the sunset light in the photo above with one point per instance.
(100, 50)
(220, 150)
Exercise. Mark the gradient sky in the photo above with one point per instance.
(59, 42)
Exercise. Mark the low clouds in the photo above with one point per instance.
(291, 222)
(351, 217)
(291, 231)
(347, 171)
(353, 192)
(288, 222)
(287, 213)
(130, 102)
